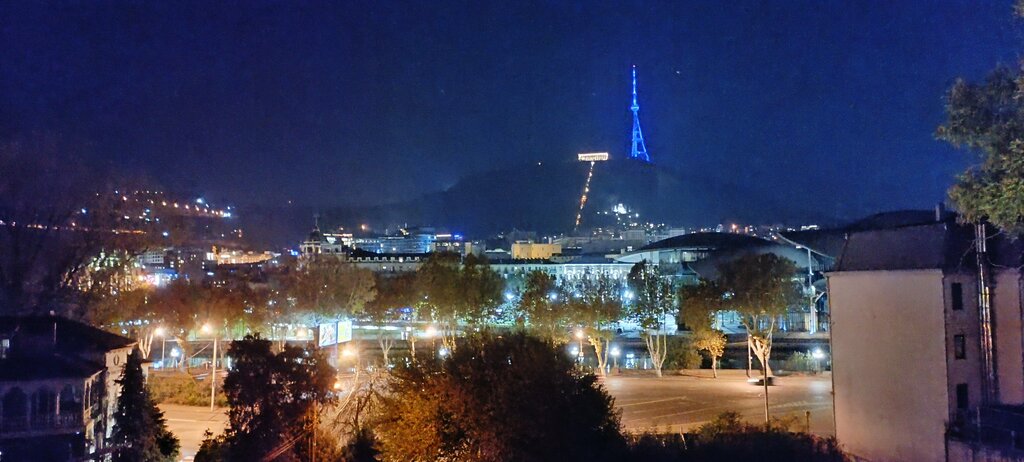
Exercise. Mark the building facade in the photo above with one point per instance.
(909, 341)
(58, 390)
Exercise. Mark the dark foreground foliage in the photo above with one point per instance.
(499, 398)
(728, 439)
(273, 399)
(140, 430)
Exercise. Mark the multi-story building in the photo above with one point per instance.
(927, 339)
(526, 250)
(58, 389)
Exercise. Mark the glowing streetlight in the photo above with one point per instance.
(160, 332)
(443, 352)
(615, 356)
(430, 332)
(580, 335)
(208, 329)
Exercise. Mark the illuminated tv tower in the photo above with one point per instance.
(639, 150)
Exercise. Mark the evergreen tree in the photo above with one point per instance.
(140, 431)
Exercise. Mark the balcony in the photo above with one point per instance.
(41, 424)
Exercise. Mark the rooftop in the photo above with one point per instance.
(707, 241)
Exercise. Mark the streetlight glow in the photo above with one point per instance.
(430, 332)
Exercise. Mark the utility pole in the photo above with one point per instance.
(213, 373)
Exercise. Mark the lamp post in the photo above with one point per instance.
(579, 336)
(615, 356)
(817, 354)
(163, 344)
(207, 329)
(175, 353)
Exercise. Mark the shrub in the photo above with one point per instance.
(682, 354)
(729, 438)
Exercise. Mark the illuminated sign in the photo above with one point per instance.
(328, 334)
(593, 156)
(335, 332)
(345, 331)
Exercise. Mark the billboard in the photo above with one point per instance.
(335, 332)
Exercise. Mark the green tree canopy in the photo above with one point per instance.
(654, 303)
(456, 289)
(988, 118)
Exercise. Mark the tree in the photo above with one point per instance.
(655, 302)
(274, 401)
(698, 306)
(64, 233)
(513, 397)
(988, 118)
(713, 342)
(458, 291)
(394, 293)
(541, 307)
(595, 303)
(327, 287)
(759, 288)
(140, 432)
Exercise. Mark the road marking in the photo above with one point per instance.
(652, 401)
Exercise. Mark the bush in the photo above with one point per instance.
(682, 354)
(729, 438)
(182, 388)
(798, 361)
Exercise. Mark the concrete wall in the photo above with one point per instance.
(1006, 314)
(889, 364)
(963, 322)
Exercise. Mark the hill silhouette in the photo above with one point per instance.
(545, 197)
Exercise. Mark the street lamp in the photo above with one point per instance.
(175, 353)
(615, 356)
(159, 332)
(207, 329)
(818, 355)
(579, 336)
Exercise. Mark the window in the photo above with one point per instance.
(958, 296)
(959, 346)
(962, 401)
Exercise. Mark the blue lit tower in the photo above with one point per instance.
(639, 150)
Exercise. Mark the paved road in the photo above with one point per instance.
(671, 403)
(680, 403)
(189, 422)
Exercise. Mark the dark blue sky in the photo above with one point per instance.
(363, 102)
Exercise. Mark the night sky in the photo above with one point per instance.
(367, 102)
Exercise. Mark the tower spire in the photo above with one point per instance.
(638, 150)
